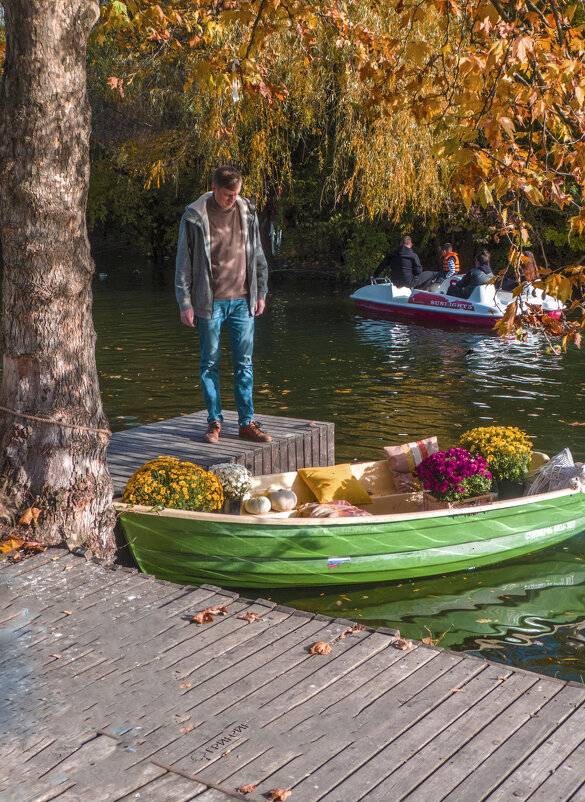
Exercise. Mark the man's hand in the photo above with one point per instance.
(188, 317)
(260, 307)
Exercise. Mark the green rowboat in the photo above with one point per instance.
(399, 541)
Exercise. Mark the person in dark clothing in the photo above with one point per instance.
(528, 271)
(480, 274)
(405, 267)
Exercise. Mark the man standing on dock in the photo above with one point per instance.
(221, 278)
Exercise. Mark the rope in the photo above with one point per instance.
(56, 422)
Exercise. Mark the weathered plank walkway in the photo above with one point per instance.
(295, 444)
(109, 693)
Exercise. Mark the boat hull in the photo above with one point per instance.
(483, 309)
(243, 551)
(452, 314)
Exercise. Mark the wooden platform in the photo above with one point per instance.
(110, 693)
(295, 444)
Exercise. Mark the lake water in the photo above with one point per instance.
(380, 382)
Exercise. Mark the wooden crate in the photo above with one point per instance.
(431, 503)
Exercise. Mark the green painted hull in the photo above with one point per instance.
(243, 551)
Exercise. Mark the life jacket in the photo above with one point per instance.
(455, 257)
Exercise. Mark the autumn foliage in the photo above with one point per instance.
(418, 104)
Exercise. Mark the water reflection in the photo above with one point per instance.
(525, 611)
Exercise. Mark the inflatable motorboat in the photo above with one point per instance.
(484, 307)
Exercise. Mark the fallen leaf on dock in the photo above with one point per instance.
(246, 789)
(203, 617)
(57, 656)
(278, 795)
(186, 685)
(321, 647)
(188, 728)
(352, 630)
(401, 643)
(217, 610)
(11, 544)
(250, 617)
(67, 612)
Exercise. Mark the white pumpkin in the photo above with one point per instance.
(283, 500)
(257, 505)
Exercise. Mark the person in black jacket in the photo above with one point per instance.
(405, 267)
(480, 274)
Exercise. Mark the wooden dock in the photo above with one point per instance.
(295, 444)
(109, 692)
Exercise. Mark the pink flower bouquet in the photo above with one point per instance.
(454, 475)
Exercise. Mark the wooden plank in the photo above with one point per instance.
(566, 782)
(404, 704)
(514, 749)
(169, 788)
(240, 680)
(419, 759)
(544, 760)
(461, 767)
(266, 702)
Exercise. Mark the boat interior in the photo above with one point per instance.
(486, 294)
(374, 477)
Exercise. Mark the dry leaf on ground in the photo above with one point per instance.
(250, 617)
(204, 617)
(11, 544)
(278, 795)
(217, 610)
(246, 789)
(352, 630)
(321, 647)
(401, 643)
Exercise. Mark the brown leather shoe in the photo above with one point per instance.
(212, 433)
(252, 432)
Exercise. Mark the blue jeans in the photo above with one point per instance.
(240, 325)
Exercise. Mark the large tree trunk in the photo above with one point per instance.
(49, 339)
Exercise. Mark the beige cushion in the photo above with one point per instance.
(403, 459)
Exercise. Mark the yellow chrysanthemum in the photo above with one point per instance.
(180, 485)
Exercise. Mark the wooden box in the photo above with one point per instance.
(431, 503)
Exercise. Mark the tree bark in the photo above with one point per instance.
(49, 339)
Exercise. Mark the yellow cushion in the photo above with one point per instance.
(334, 482)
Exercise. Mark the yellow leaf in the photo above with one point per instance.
(12, 543)
(29, 517)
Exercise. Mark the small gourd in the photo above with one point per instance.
(283, 500)
(257, 505)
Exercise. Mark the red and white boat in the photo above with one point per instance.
(484, 307)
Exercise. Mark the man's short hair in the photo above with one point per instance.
(447, 247)
(483, 258)
(407, 242)
(226, 177)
